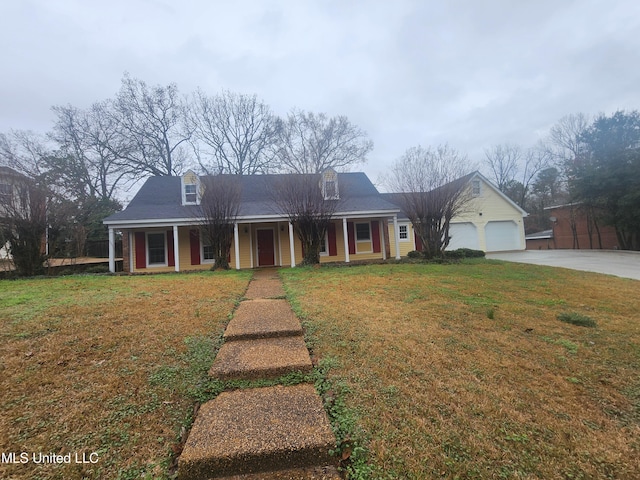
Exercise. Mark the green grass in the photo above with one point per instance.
(463, 370)
(107, 364)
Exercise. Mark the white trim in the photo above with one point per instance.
(251, 244)
(166, 256)
(362, 242)
(345, 237)
(404, 224)
(326, 244)
(396, 235)
(292, 249)
(236, 244)
(209, 261)
(497, 190)
(194, 221)
(176, 249)
(112, 251)
(184, 185)
(279, 243)
(130, 240)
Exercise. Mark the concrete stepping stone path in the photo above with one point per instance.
(277, 433)
(261, 358)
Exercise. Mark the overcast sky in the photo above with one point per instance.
(471, 73)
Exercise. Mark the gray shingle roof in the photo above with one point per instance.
(160, 198)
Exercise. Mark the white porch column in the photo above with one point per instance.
(345, 237)
(384, 229)
(292, 249)
(176, 249)
(236, 244)
(396, 236)
(112, 250)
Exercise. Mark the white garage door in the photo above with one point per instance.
(463, 235)
(501, 236)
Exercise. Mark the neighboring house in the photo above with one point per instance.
(161, 225)
(10, 183)
(491, 222)
(573, 227)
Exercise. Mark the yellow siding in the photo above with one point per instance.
(248, 247)
(493, 208)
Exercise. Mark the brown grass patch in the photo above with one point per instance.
(443, 390)
(78, 356)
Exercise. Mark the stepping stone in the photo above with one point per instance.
(265, 288)
(327, 472)
(261, 358)
(257, 430)
(262, 319)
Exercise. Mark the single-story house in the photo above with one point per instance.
(491, 221)
(161, 225)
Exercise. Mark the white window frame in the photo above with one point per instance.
(202, 245)
(185, 194)
(406, 226)
(326, 245)
(476, 187)
(362, 242)
(166, 253)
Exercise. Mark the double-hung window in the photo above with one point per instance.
(156, 251)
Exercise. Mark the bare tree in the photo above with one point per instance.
(514, 169)
(152, 119)
(432, 189)
(220, 206)
(565, 137)
(237, 131)
(301, 199)
(504, 162)
(23, 220)
(311, 143)
(25, 152)
(88, 163)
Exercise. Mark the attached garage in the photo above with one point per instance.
(463, 235)
(502, 236)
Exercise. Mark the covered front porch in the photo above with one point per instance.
(257, 242)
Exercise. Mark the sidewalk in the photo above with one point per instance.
(268, 433)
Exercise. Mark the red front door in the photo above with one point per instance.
(266, 256)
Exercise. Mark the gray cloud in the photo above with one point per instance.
(408, 72)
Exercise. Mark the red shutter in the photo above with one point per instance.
(418, 241)
(375, 235)
(194, 241)
(333, 247)
(351, 235)
(141, 250)
(170, 253)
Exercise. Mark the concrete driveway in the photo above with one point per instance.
(622, 264)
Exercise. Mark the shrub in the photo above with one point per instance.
(464, 253)
(414, 254)
(97, 269)
(577, 319)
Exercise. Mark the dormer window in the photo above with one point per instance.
(190, 193)
(330, 184)
(190, 188)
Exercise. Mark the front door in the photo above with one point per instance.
(266, 255)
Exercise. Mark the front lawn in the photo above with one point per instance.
(105, 369)
(465, 371)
